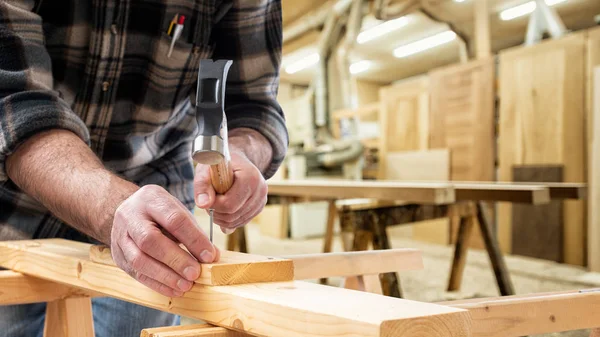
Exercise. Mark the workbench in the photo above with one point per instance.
(398, 203)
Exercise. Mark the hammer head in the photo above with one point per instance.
(210, 146)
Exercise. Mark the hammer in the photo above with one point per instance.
(211, 147)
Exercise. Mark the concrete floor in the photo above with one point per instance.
(528, 275)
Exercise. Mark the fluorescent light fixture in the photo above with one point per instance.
(303, 63)
(381, 29)
(524, 9)
(460, 0)
(424, 44)
(360, 66)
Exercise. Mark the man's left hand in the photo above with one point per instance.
(248, 195)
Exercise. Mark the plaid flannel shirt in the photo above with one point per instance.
(100, 69)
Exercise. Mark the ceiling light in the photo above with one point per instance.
(424, 44)
(381, 29)
(459, 0)
(524, 9)
(360, 66)
(303, 63)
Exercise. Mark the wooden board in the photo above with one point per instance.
(292, 308)
(594, 180)
(193, 330)
(232, 267)
(532, 314)
(314, 266)
(538, 229)
(17, 288)
(423, 165)
(462, 120)
(593, 139)
(475, 191)
(541, 122)
(435, 193)
(404, 118)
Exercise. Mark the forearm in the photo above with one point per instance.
(59, 170)
(254, 145)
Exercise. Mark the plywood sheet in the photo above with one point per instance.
(462, 120)
(538, 229)
(404, 118)
(542, 104)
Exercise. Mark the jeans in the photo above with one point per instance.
(112, 318)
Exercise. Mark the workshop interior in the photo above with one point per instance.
(442, 179)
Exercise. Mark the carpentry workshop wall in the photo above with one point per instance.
(459, 90)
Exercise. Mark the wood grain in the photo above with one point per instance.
(22, 289)
(538, 229)
(594, 180)
(522, 315)
(264, 309)
(435, 193)
(462, 120)
(313, 266)
(232, 267)
(71, 317)
(541, 123)
(193, 330)
(221, 176)
(403, 119)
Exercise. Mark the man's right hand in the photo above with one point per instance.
(141, 243)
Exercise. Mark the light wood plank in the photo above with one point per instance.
(194, 330)
(531, 194)
(435, 193)
(593, 237)
(71, 317)
(532, 314)
(313, 266)
(232, 267)
(542, 123)
(17, 288)
(292, 308)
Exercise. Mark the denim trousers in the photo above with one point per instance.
(112, 318)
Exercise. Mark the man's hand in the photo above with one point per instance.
(251, 153)
(141, 241)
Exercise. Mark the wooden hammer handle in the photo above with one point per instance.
(221, 176)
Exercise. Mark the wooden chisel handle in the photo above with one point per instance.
(221, 176)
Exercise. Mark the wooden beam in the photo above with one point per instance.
(71, 317)
(482, 29)
(531, 194)
(291, 308)
(313, 266)
(435, 193)
(593, 231)
(17, 288)
(194, 330)
(521, 315)
(232, 268)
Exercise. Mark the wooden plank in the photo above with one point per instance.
(71, 317)
(594, 180)
(313, 266)
(232, 267)
(423, 165)
(538, 229)
(193, 330)
(522, 315)
(558, 191)
(531, 194)
(542, 123)
(435, 193)
(17, 288)
(403, 119)
(292, 308)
